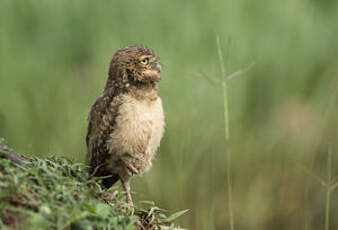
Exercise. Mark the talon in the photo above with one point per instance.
(133, 170)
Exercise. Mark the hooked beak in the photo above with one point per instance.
(158, 67)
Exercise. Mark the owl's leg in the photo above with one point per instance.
(126, 187)
(127, 173)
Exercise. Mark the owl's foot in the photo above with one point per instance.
(132, 169)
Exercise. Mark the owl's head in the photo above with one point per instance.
(135, 64)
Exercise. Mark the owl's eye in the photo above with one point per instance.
(144, 61)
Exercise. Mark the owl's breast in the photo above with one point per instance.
(138, 130)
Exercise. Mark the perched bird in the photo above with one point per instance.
(126, 123)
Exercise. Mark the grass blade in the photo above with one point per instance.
(175, 216)
(226, 130)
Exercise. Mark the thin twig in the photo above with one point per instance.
(334, 186)
(211, 80)
(239, 72)
(328, 191)
(317, 178)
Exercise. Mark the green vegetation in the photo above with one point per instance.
(54, 58)
(54, 193)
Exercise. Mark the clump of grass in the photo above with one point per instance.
(54, 193)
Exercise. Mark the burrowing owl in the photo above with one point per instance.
(126, 122)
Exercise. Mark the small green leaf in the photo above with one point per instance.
(102, 210)
(175, 216)
(152, 203)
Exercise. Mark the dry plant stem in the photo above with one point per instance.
(307, 214)
(328, 191)
(332, 100)
(227, 131)
(327, 112)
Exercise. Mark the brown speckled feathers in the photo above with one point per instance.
(126, 122)
(101, 123)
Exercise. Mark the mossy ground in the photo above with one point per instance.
(55, 193)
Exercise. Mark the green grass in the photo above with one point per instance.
(54, 193)
(54, 58)
(224, 77)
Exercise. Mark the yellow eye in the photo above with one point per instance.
(145, 61)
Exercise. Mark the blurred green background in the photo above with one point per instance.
(54, 58)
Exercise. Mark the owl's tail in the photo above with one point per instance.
(110, 181)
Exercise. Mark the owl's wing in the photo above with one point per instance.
(101, 122)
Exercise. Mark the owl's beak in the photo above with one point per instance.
(158, 67)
